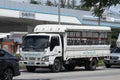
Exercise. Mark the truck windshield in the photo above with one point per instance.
(35, 43)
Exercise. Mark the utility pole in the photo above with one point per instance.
(59, 18)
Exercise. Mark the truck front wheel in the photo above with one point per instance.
(56, 67)
(30, 68)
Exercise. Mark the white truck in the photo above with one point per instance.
(55, 46)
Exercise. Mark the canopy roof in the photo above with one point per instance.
(63, 28)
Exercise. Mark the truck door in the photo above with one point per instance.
(55, 46)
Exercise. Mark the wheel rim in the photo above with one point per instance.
(93, 64)
(56, 67)
(8, 75)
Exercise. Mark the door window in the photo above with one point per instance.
(54, 42)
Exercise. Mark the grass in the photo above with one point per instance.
(101, 62)
(21, 66)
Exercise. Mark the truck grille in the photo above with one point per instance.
(32, 58)
(114, 58)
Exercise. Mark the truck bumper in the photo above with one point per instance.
(35, 63)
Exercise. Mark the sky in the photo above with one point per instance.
(115, 9)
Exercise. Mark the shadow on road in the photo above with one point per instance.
(39, 70)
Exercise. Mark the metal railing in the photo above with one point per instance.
(88, 42)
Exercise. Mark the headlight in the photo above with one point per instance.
(46, 58)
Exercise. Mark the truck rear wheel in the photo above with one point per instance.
(56, 67)
(30, 68)
(91, 65)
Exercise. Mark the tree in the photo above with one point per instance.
(49, 3)
(81, 7)
(68, 4)
(34, 2)
(73, 3)
(55, 3)
(63, 2)
(99, 6)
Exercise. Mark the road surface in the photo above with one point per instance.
(101, 73)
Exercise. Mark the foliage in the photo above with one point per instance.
(114, 37)
(49, 3)
(83, 8)
(34, 2)
(55, 3)
(68, 4)
(98, 6)
(73, 3)
(101, 62)
(103, 3)
(63, 2)
(21, 66)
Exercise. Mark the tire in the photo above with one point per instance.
(8, 74)
(107, 65)
(30, 68)
(69, 67)
(91, 65)
(56, 67)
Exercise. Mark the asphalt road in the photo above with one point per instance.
(101, 73)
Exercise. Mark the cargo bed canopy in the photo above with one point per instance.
(64, 28)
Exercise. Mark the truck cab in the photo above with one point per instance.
(40, 50)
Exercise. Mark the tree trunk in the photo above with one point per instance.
(68, 3)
